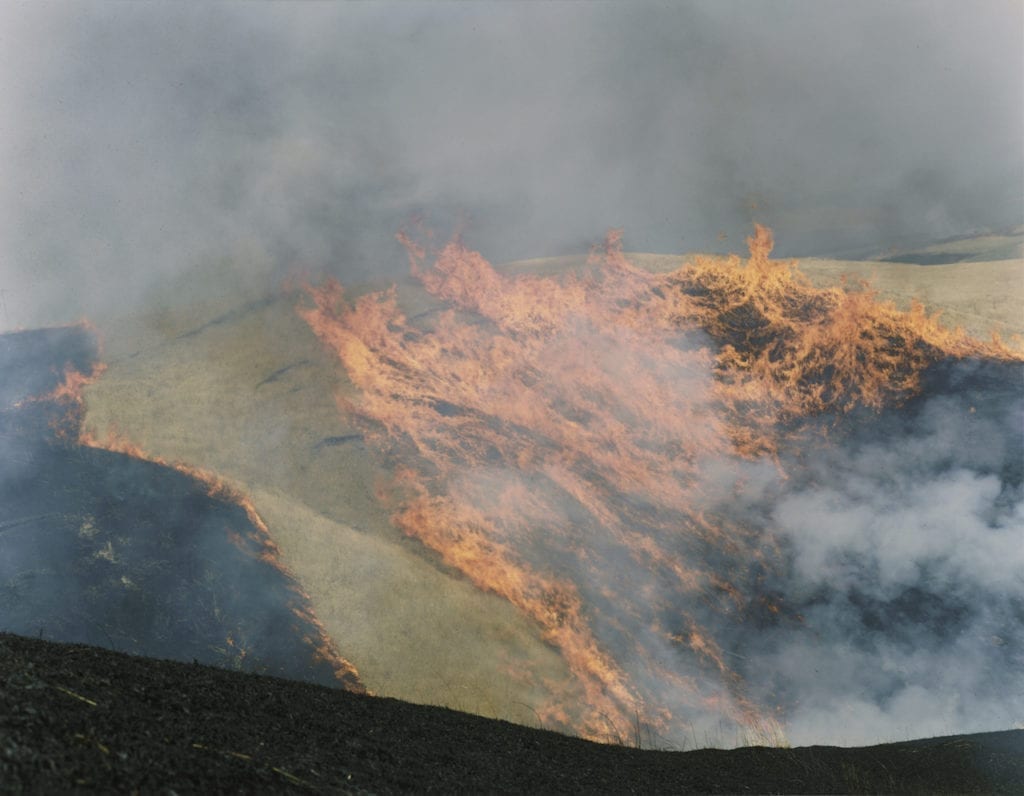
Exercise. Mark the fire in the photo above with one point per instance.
(554, 438)
(66, 396)
(789, 350)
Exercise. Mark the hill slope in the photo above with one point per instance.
(246, 391)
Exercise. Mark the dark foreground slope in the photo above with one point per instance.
(76, 717)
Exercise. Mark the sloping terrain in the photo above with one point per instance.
(975, 282)
(1005, 244)
(75, 718)
(247, 392)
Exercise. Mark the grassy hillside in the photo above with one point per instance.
(246, 390)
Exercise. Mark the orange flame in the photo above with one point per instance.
(789, 350)
(68, 395)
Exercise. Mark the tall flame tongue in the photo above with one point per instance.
(555, 438)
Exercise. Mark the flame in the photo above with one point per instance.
(67, 395)
(789, 350)
(552, 438)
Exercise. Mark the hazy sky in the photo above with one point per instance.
(142, 140)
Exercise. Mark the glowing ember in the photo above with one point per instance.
(554, 438)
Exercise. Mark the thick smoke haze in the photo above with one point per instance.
(905, 561)
(141, 142)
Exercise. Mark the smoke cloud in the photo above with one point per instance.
(905, 555)
(145, 142)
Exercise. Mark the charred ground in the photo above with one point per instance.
(83, 718)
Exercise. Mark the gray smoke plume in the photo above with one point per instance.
(142, 142)
(905, 554)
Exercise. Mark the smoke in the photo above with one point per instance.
(904, 544)
(217, 146)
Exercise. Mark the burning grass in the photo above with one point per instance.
(553, 437)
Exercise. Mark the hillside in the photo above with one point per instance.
(243, 391)
(254, 379)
